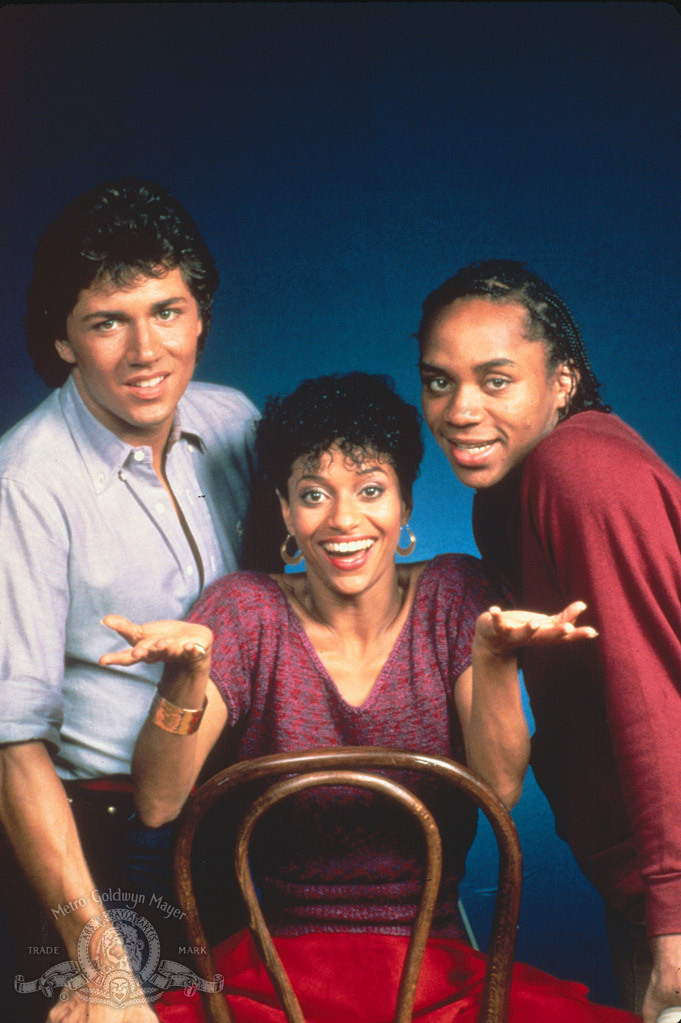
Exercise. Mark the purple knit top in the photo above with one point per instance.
(341, 859)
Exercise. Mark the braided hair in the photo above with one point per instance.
(548, 318)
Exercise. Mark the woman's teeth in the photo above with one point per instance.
(347, 546)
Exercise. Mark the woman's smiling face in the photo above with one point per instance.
(488, 394)
(346, 516)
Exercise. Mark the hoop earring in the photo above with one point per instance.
(406, 551)
(290, 559)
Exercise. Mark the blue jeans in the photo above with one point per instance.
(131, 868)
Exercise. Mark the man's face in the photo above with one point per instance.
(133, 352)
(487, 393)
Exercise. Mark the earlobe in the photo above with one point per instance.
(65, 352)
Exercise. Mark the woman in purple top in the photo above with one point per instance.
(356, 650)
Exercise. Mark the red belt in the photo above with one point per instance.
(115, 783)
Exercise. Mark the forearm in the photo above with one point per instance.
(488, 696)
(496, 737)
(37, 818)
(644, 719)
(165, 765)
(620, 509)
(665, 983)
(163, 773)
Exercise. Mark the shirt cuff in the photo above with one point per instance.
(663, 905)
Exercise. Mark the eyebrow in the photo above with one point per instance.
(119, 314)
(316, 478)
(482, 367)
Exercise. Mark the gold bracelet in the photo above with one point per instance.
(171, 718)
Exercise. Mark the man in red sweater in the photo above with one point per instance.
(571, 504)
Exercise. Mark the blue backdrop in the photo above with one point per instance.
(342, 160)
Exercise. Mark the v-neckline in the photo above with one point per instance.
(323, 670)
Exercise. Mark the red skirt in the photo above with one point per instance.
(353, 978)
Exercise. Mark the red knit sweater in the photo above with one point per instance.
(595, 515)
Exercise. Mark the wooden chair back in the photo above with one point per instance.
(354, 766)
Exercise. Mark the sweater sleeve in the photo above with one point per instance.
(232, 608)
(607, 515)
(462, 589)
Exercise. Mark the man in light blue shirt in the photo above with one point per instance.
(86, 526)
(127, 489)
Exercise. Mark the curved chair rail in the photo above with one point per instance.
(343, 766)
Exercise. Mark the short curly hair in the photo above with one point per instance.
(116, 232)
(359, 412)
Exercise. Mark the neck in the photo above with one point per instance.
(154, 435)
(365, 615)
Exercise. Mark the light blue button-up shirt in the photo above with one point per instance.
(87, 529)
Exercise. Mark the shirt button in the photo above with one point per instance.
(123, 475)
(138, 455)
(189, 570)
(190, 447)
(160, 508)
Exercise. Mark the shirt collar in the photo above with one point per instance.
(103, 453)
(183, 428)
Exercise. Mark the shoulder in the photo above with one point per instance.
(451, 577)
(448, 569)
(453, 591)
(35, 448)
(592, 452)
(241, 594)
(214, 407)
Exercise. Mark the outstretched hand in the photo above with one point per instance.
(171, 642)
(75, 1010)
(504, 632)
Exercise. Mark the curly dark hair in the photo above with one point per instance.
(358, 412)
(548, 318)
(116, 232)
